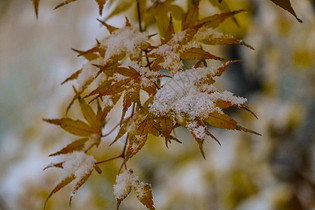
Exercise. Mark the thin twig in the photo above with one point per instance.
(104, 161)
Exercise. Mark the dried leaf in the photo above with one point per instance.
(36, 4)
(89, 115)
(221, 120)
(128, 72)
(144, 195)
(79, 183)
(224, 7)
(215, 20)
(110, 28)
(198, 54)
(72, 76)
(77, 145)
(286, 4)
(101, 4)
(192, 17)
(64, 3)
(76, 127)
(59, 186)
(57, 165)
(90, 55)
(137, 141)
(223, 39)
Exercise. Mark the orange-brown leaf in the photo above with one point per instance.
(149, 87)
(79, 183)
(110, 28)
(224, 39)
(286, 4)
(131, 95)
(77, 145)
(36, 4)
(138, 140)
(166, 125)
(144, 195)
(64, 3)
(128, 72)
(89, 55)
(198, 54)
(221, 120)
(72, 76)
(101, 4)
(57, 165)
(59, 186)
(192, 17)
(215, 20)
(89, 115)
(226, 104)
(169, 32)
(76, 127)
(224, 67)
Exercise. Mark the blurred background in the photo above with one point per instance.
(275, 171)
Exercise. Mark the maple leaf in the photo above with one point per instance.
(127, 181)
(36, 4)
(159, 12)
(286, 4)
(186, 44)
(224, 7)
(77, 167)
(190, 98)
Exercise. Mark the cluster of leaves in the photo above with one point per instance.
(127, 63)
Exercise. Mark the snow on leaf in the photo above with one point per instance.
(79, 183)
(138, 140)
(127, 181)
(127, 40)
(77, 167)
(123, 185)
(144, 194)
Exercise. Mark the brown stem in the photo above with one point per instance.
(111, 131)
(104, 161)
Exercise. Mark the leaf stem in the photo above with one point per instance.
(104, 161)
